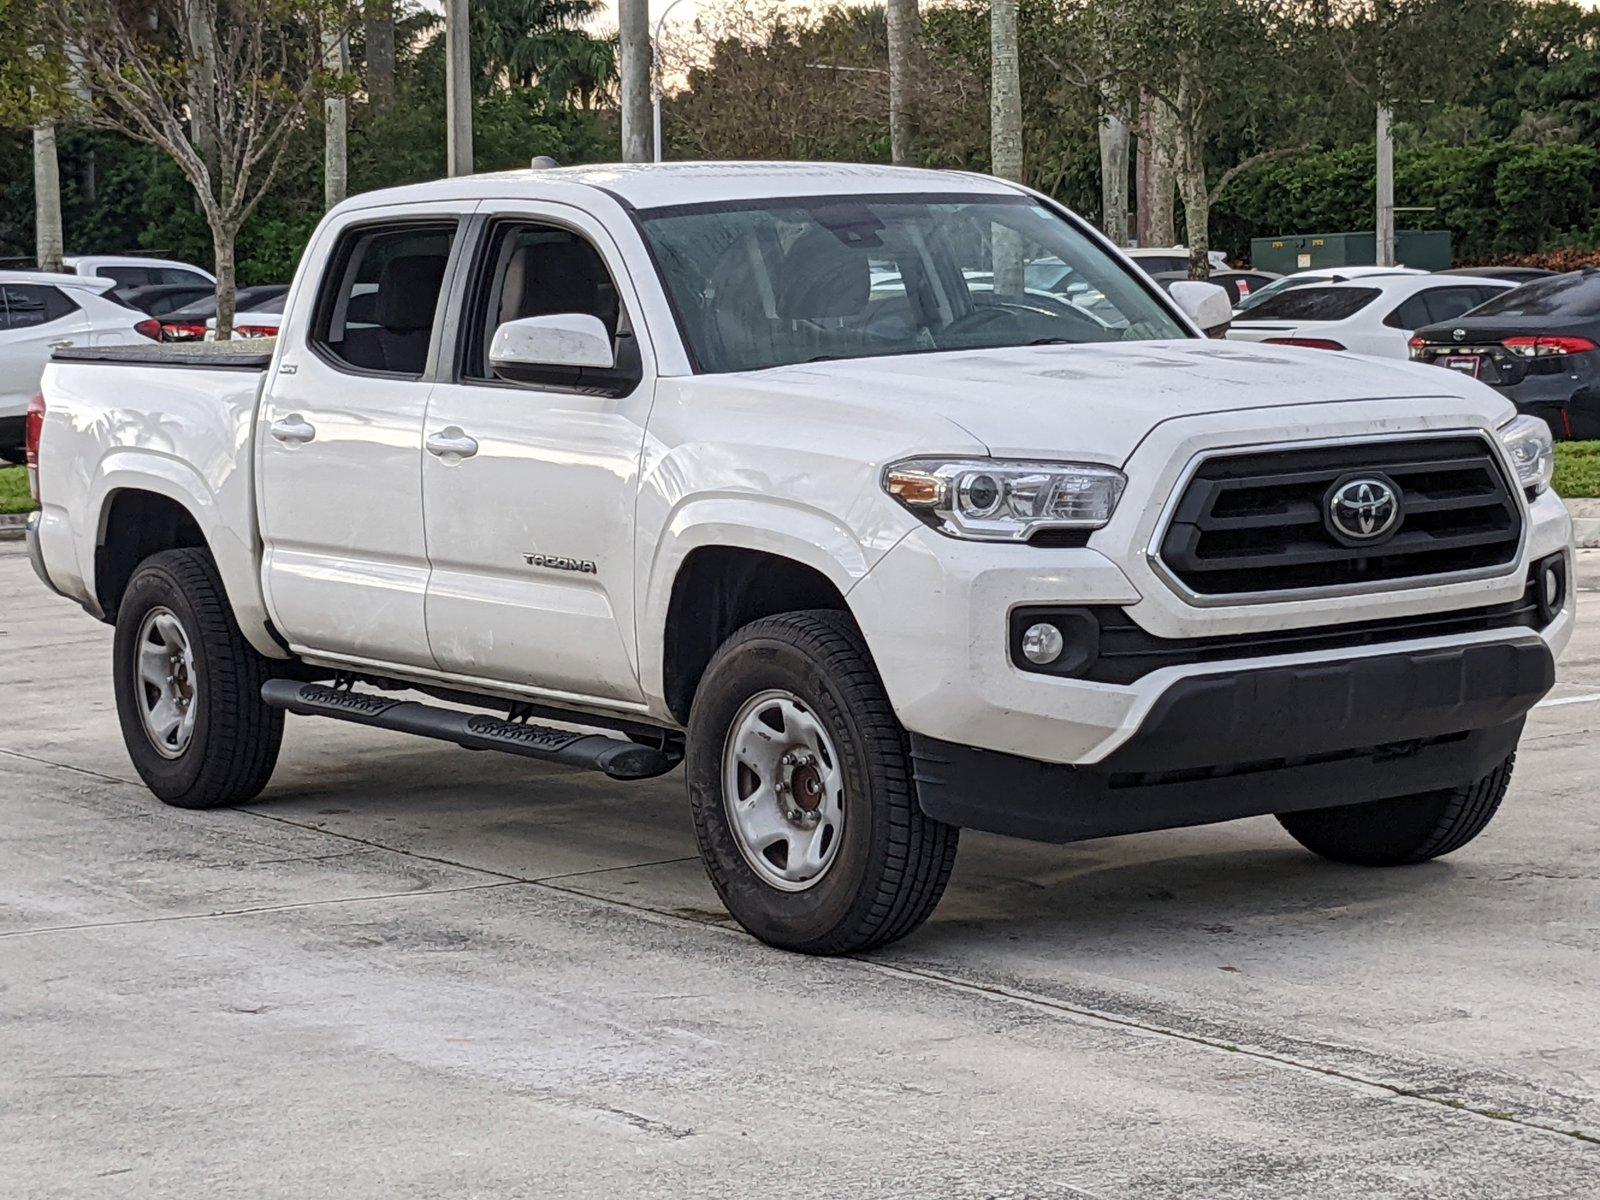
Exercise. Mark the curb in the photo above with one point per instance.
(1585, 523)
(14, 525)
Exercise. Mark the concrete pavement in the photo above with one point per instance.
(412, 971)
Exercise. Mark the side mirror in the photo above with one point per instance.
(1206, 304)
(528, 349)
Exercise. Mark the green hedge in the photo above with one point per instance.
(1497, 198)
(1578, 470)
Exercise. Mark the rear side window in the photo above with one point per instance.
(23, 306)
(128, 277)
(1575, 295)
(376, 310)
(178, 275)
(1314, 304)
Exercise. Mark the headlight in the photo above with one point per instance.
(1004, 501)
(1532, 448)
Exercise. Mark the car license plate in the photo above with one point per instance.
(1467, 364)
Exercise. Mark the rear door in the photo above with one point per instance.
(529, 488)
(35, 320)
(340, 440)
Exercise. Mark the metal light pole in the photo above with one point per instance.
(1386, 239)
(457, 88)
(655, 76)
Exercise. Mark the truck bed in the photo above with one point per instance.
(246, 354)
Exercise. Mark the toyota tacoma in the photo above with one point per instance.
(887, 502)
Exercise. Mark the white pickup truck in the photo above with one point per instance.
(890, 502)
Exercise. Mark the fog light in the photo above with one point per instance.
(1042, 644)
(1552, 587)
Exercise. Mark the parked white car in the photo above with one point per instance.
(1308, 278)
(137, 270)
(1155, 259)
(1376, 315)
(259, 322)
(640, 450)
(41, 313)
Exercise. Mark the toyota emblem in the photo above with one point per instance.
(1460, 335)
(1363, 510)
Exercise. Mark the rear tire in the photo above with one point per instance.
(1404, 830)
(188, 686)
(840, 858)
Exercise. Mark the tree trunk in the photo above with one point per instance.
(1005, 135)
(48, 236)
(1114, 135)
(633, 48)
(458, 89)
(1162, 220)
(335, 140)
(222, 247)
(202, 84)
(1196, 208)
(905, 30)
(1005, 93)
(378, 17)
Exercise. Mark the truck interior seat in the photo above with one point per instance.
(562, 275)
(408, 294)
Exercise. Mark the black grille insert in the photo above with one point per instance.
(1254, 522)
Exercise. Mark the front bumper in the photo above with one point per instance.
(935, 612)
(1244, 743)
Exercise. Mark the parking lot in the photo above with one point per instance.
(408, 970)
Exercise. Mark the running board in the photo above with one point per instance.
(473, 731)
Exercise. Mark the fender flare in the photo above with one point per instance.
(769, 525)
(237, 554)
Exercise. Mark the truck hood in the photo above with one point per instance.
(1098, 402)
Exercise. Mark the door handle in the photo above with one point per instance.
(293, 430)
(62, 344)
(451, 440)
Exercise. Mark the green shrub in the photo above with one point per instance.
(1578, 470)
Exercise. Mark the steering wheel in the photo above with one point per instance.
(979, 318)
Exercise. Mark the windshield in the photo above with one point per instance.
(1574, 295)
(1314, 304)
(770, 283)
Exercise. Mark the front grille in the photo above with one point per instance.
(1250, 523)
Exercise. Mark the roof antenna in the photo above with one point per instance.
(542, 162)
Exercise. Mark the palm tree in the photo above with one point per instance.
(528, 43)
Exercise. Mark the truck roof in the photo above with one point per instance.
(657, 185)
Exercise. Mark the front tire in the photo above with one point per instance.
(1404, 830)
(188, 686)
(800, 784)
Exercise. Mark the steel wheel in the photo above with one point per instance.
(784, 791)
(168, 686)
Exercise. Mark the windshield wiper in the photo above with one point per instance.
(1052, 342)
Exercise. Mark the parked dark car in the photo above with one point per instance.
(1539, 345)
(159, 299)
(1514, 274)
(1238, 284)
(188, 324)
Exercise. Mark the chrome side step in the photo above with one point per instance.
(616, 757)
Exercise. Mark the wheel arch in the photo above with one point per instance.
(718, 589)
(149, 506)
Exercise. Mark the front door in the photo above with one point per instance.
(340, 445)
(528, 489)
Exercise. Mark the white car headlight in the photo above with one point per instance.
(993, 501)
(1532, 448)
